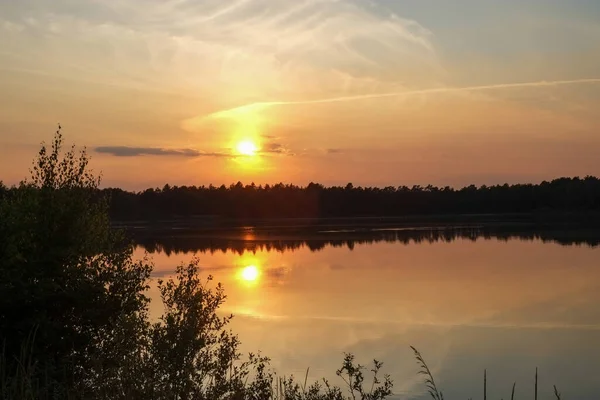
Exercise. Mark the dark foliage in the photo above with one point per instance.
(69, 291)
(74, 321)
(316, 201)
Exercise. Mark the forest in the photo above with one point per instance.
(317, 201)
(241, 201)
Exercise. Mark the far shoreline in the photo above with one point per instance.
(214, 225)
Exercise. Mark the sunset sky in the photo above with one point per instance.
(376, 92)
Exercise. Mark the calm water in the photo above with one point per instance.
(508, 304)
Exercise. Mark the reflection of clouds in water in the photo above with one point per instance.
(295, 348)
(457, 356)
(396, 323)
(394, 351)
(265, 276)
(276, 276)
(463, 304)
(568, 310)
(336, 266)
(271, 275)
(204, 269)
(566, 358)
(277, 273)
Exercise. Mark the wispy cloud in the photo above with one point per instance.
(272, 144)
(126, 151)
(306, 45)
(267, 148)
(253, 107)
(274, 147)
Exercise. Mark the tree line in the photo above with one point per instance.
(241, 201)
(317, 201)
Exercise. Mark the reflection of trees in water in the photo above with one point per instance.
(316, 241)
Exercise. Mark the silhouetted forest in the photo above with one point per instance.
(316, 201)
(241, 241)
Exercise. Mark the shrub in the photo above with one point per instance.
(74, 317)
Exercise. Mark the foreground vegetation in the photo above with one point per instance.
(74, 321)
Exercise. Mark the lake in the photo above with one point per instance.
(468, 299)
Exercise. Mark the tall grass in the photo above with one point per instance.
(429, 381)
(25, 383)
(25, 379)
(436, 394)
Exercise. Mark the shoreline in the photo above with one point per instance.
(207, 225)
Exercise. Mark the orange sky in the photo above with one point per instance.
(374, 92)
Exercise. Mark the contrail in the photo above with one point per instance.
(262, 105)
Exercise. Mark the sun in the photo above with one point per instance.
(247, 148)
(250, 273)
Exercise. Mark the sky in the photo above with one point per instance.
(374, 92)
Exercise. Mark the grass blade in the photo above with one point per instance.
(556, 393)
(485, 384)
(536, 383)
(429, 381)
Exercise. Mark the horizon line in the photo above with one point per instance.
(358, 186)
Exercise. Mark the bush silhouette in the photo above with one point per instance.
(74, 317)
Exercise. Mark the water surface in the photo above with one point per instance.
(469, 300)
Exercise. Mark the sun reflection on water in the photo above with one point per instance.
(250, 273)
(249, 270)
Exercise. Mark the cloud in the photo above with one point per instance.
(12, 26)
(334, 151)
(441, 90)
(126, 151)
(320, 44)
(270, 147)
(276, 276)
(273, 146)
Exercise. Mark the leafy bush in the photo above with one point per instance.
(74, 317)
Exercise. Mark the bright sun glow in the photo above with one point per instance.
(247, 148)
(250, 273)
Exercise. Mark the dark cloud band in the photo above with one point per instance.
(126, 151)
